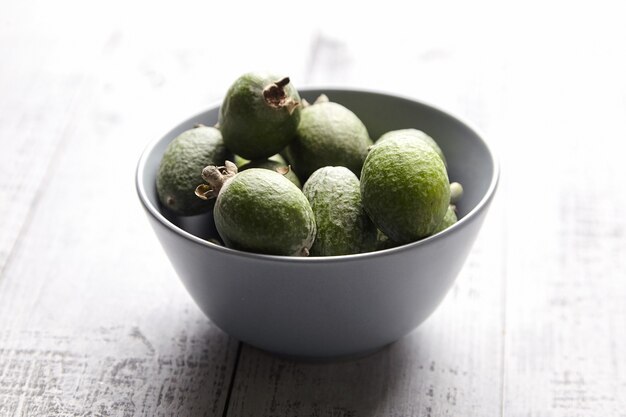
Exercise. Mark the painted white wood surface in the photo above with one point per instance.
(93, 320)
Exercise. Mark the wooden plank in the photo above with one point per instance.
(93, 321)
(566, 314)
(92, 317)
(35, 107)
(565, 294)
(162, 369)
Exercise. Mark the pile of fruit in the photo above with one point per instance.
(286, 177)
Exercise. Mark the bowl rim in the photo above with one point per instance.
(482, 205)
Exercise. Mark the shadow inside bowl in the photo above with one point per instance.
(201, 225)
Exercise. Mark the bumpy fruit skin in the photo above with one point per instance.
(181, 167)
(328, 135)
(343, 227)
(252, 126)
(273, 165)
(261, 211)
(405, 189)
(417, 134)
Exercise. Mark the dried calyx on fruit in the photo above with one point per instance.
(259, 210)
(215, 176)
(259, 115)
(276, 96)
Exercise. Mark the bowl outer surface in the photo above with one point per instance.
(332, 306)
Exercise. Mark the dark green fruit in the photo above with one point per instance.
(273, 165)
(259, 210)
(328, 135)
(343, 227)
(259, 115)
(405, 188)
(417, 134)
(181, 167)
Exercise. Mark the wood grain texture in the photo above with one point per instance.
(36, 107)
(93, 320)
(115, 371)
(565, 313)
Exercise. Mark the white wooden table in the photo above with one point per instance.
(94, 321)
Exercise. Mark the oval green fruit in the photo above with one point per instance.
(417, 134)
(261, 211)
(328, 135)
(405, 188)
(273, 165)
(181, 167)
(259, 115)
(343, 227)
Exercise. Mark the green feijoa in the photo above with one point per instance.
(259, 115)
(328, 135)
(181, 166)
(417, 134)
(259, 210)
(273, 165)
(405, 188)
(343, 227)
(448, 219)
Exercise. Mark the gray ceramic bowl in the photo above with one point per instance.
(329, 307)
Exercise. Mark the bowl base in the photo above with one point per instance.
(323, 359)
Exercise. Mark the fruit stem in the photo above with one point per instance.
(274, 95)
(215, 176)
(283, 82)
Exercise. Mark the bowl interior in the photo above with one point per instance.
(469, 160)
